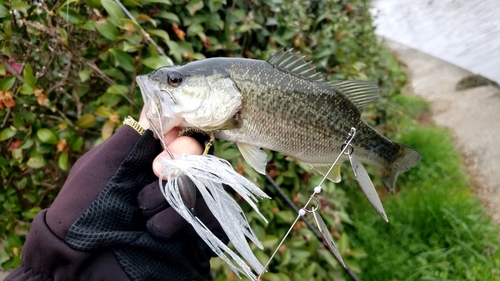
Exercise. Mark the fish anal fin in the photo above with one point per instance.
(254, 156)
(290, 62)
(323, 168)
(360, 93)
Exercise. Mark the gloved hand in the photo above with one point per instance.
(111, 222)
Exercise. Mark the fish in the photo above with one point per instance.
(282, 104)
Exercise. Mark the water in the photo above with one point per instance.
(463, 32)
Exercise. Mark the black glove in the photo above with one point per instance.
(111, 222)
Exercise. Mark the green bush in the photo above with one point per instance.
(79, 60)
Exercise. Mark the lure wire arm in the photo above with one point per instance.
(325, 238)
(160, 134)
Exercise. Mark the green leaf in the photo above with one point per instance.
(166, 2)
(70, 16)
(286, 216)
(27, 89)
(84, 74)
(46, 136)
(86, 121)
(28, 76)
(269, 241)
(107, 30)
(94, 3)
(63, 161)
(168, 16)
(76, 144)
(88, 25)
(157, 62)
(195, 29)
(7, 82)
(146, 18)
(271, 21)
(198, 56)
(17, 153)
(30, 196)
(18, 121)
(115, 73)
(22, 183)
(248, 26)
(114, 11)
(7, 133)
(4, 12)
(131, 3)
(194, 6)
(31, 214)
(271, 276)
(110, 100)
(64, 35)
(103, 111)
(63, 6)
(343, 243)
(13, 240)
(20, 6)
(123, 59)
(117, 90)
(27, 143)
(357, 253)
(36, 161)
(160, 33)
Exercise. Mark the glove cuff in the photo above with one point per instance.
(134, 124)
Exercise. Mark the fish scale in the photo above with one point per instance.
(281, 104)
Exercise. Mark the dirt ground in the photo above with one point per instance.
(472, 115)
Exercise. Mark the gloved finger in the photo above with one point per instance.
(168, 222)
(151, 200)
(178, 147)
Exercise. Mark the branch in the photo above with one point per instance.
(143, 32)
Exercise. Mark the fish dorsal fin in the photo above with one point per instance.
(290, 62)
(254, 156)
(360, 93)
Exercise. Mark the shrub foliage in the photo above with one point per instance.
(67, 80)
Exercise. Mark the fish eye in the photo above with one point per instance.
(174, 79)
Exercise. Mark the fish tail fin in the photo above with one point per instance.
(406, 159)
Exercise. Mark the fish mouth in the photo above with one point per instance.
(158, 106)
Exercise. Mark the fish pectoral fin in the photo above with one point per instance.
(254, 156)
(360, 93)
(334, 174)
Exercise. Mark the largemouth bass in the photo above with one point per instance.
(282, 104)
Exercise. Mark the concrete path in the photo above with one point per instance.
(472, 115)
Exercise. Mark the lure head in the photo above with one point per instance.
(194, 95)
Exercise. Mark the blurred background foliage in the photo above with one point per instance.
(67, 80)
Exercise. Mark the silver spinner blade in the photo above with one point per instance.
(328, 238)
(366, 185)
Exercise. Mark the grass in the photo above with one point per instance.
(438, 230)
